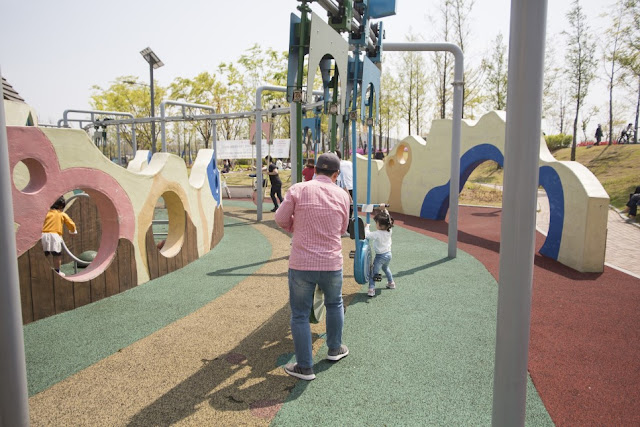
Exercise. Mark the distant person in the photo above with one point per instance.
(279, 164)
(52, 232)
(276, 184)
(632, 204)
(598, 135)
(309, 170)
(381, 245)
(316, 212)
(625, 136)
(226, 166)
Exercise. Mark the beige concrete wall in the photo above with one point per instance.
(416, 166)
(17, 113)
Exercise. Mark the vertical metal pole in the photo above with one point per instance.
(369, 139)
(258, 138)
(163, 128)
(334, 117)
(214, 138)
(303, 24)
(119, 145)
(134, 144)
(153, 113)
(524, 111)
(14, 403)
(293, 145)
(456, 135)
(354, 147)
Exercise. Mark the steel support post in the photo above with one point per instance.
(458, 81)
(153, 112)
(14, 403)
(517, 241)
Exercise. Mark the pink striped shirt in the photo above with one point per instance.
(317, 213)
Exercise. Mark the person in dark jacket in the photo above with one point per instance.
(598, 135)
(632, 204)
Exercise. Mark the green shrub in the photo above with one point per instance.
(556, 142)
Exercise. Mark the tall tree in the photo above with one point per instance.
(495, 70)
(630, 56)
(552, 104)
(205, 89)
(611, 50)
(471, 98)
(389, 106)
(580, 62)
(413, 78)
(443, 61)
(127, 95)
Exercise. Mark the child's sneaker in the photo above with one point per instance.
(391, 285)
(372, 292)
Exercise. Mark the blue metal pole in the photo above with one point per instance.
(354, 147)
(369, 138)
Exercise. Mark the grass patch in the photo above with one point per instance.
(477, 194)
(242, 178)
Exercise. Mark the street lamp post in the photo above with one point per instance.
(154, 62)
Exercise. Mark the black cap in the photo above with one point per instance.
(328, 162)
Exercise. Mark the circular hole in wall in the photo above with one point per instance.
(29, 176)
(168, 224)
(85, 244)
(402, 154)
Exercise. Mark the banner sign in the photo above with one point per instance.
(242, 149)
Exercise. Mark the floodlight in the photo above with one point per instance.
(151, 58)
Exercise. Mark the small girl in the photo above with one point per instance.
(381, 245)
(52, 232)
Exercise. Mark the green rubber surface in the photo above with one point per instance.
(422, 354)
(61, 345)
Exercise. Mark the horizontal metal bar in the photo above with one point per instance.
(241, 115)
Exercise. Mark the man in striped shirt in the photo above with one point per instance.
(317, 213)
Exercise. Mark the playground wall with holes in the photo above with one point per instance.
(414, 179)
(115, 220)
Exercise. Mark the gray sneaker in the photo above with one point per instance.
(296, 371)
(336, 354)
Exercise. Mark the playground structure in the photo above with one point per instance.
(414, 179)
(61, 160)
(115, 221)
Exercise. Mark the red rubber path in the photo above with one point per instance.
(584, 350)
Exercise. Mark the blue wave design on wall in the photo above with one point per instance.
(552, 184)
(436, 202)
(214, 178)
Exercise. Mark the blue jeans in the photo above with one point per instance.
(381, 261)
(302, 285)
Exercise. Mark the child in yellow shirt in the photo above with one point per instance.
(52, 232)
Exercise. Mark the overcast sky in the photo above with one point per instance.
(52, 52)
